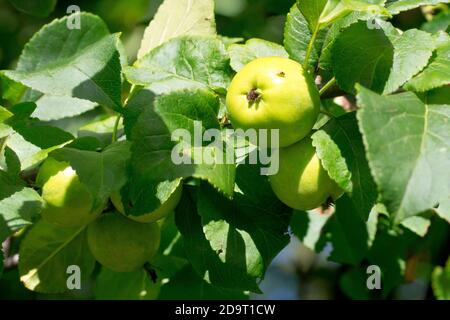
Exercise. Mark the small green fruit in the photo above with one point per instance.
(274, 93)
(301, 182)
(121, 244)
(158, 214)
(67, 202)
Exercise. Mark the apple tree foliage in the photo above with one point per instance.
(390, 151)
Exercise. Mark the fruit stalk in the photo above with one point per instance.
(116, 127)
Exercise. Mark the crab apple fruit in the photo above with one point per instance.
(274, 93)
(67, 201)
(121, 244)
(301, 182)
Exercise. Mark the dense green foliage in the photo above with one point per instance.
(383, 137)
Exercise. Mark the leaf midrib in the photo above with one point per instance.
(33, 272)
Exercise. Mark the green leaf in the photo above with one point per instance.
(361, 5)
(183, 63)
(102, 129)
(31, 154)
(227, 41)
(374, 51)
(443, 210)
(438, 96)
(412, 50)
(54, 108)
(440, 22)
(168, 265)
(102, 125)
(43, 137)
(12, 162)
(111, 285)
(231, 243)
(348, 233)
(102, 172)
(248, 232)
(5, 129)
(417, 224)
(321, 13)
(353, 284)
(372, 223)
(440, 281)
(405, 5)
(312, 10)
(334, 31)
(171, 248)
(309, 228)
(204, 260)
(88, 143)
(138, 102)
(297, 37)
(30, 142)
(176, 18)
(241, 54)
(344, 133)
(187, 285)
(361, 55)
(392, 262)
(46, 253)
(49, 106)
(407, 145)
(141, 195)
(75, 63)
(19, 205)
(332, 160)
(10, 90)
(40, 8)
(153, 148)
(21, 111)
(436, 74)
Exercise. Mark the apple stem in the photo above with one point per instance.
(327, 86)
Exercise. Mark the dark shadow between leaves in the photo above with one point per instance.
(255, 223)
(217, 266)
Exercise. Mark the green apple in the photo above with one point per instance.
(67, 201)
(161, 212)
(301, 182)
(121, 244)
(274, 93)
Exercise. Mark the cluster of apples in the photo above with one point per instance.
(277, 93)
(123, 243)
(268, 93)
